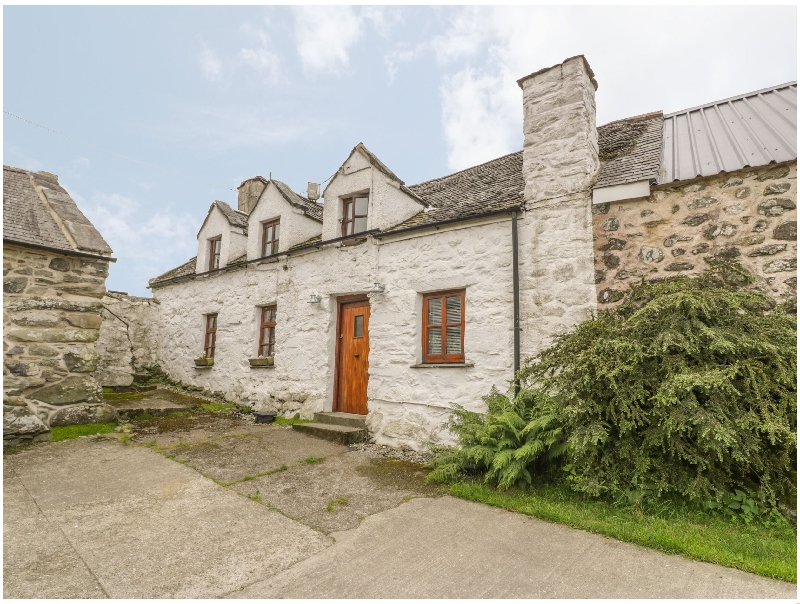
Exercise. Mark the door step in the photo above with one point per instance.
(353, 420)
(344, 435)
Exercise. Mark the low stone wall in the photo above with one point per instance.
(749, 216)
(51, 320)
(128, 339)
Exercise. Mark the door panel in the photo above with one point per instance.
(353, 360)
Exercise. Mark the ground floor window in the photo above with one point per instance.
(443, 327)
(266, 343)
(211, 336)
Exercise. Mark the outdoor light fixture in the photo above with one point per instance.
(315, 299)
(378, 288)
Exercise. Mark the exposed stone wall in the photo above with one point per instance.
(128, 339)
(51, 320)
(749, 216)
(407, 405)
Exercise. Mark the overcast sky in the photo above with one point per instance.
(222, 94)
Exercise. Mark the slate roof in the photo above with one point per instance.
(312, 209)
(234, 217)
(28, 219)
(187, 268)
(630, 149)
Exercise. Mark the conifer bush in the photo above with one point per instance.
(686, 389)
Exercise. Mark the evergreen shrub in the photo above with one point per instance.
(687, 389)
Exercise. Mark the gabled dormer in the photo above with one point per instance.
(365, 195)
(222, 239)
(280, 219)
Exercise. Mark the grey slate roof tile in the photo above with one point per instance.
(27, 220)
(311, 208)
(630, 149)
(234, 217)
(187, 268)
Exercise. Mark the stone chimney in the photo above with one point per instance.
(560, 164)
(249, 192)
(560, 149)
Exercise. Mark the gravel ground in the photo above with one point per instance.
(391, 453)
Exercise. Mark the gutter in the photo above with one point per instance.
(58, 250)
(441, 223)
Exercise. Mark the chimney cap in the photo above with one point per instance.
(541, 71)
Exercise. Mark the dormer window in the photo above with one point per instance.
(270, 234)
(354, 215)
(214, 249)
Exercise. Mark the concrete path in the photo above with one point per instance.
(93, 517)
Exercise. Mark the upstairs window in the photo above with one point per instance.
(443, 327)
(211, 336)
(214, 249)
(270, 234)
(266, 342)
(354, 215)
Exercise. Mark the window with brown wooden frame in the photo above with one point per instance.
(270, 235)
(443, 327)
(266, 341)
(354, 215)
(214, 249)
(211, 336)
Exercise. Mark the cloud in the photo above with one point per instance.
(404, 54)
(210, 64)
(261, 56)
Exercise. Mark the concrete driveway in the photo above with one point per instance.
(262, 511)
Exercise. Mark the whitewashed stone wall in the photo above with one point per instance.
(407, 406)
(128, 339)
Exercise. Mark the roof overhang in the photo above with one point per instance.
(624, 192)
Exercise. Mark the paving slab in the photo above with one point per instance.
(338, 492)
(250, 450)
(144, 526)
(450, 548)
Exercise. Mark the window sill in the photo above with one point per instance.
(269, 260)
(203, 366)
(265, 362)
(442, 365)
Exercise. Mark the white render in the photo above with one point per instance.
(234, 240)
(296, 227)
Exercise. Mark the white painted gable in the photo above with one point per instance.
(389, 205)
(234, 239)
(296, 227)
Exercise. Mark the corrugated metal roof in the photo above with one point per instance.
(749, 130)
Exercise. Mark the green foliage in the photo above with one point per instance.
(245, 409)
(505, 444)
(311, 460)
(335, 503)
(217, 407)
(66, 432)
(687, 388)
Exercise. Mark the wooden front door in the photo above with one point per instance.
(352, 364)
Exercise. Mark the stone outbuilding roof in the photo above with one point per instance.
(187, 268)
(38, 212)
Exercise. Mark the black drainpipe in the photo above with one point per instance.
(515, 272)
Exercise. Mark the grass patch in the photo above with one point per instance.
(218, 407)
(143, 416)
(309, 460)
(770, 552)
(290, 421)
(336, 503)
(66, 432)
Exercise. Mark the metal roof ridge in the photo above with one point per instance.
(733, 98)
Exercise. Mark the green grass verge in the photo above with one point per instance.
(66, 432)
(290, 421)
(770, 552)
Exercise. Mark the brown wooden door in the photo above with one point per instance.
(352, 367)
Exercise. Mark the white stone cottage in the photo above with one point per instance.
(396, 301)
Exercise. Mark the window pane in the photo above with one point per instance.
(348, 228)
(453, 309)
(361, 225)
(358, 332)
(434, 311)
(454, 340)
(348, 210)
(434, 340)
(268, 233)
(361, 206)
(277, 232)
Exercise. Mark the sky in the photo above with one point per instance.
(206, 97)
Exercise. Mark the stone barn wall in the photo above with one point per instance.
(128, 339)
(51, 320)
(749, 216)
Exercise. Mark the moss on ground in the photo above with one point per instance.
(66, 432)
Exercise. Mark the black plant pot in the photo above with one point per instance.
(264, 418)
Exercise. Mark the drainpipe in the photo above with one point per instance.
(515, 273)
